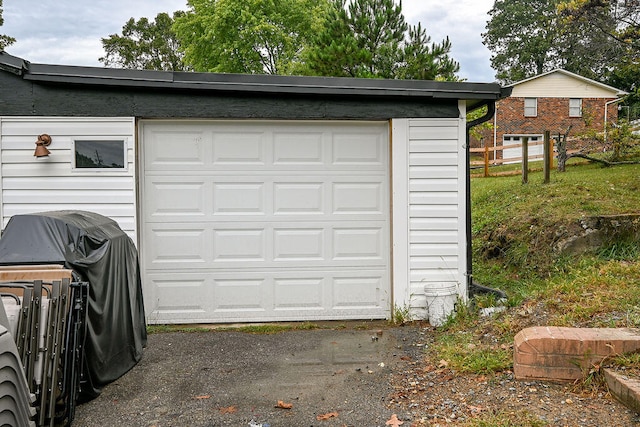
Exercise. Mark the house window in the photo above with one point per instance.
(575, 107)
(530, 107)
(100, 154)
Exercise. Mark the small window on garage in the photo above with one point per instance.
(100, 154)
(530, 107)
(575, 107)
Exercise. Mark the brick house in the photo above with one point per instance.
(551, 101)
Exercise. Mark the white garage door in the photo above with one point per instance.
(265, 221)
(514, 155)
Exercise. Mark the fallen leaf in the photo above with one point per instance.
(475, 409)
(326, 416)
(228, 410)
(204, 396)
(283, 405)
(394, 421)
(443, 364)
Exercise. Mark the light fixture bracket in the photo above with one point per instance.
(42, 143)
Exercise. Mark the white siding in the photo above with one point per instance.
(558, 85)
(35, 185)
(429, 209)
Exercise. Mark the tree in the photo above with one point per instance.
(424, 60)
(520, 35)
(370, 38)
(145, 45)
(625, 15)
(4, 40)
(248, 36)
(529, 37)
(618, 24)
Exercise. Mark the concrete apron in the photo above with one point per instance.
(234, 379)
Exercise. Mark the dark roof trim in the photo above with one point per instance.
(12, 64)
(251, 84)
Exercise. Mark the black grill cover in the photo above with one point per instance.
(99, 252)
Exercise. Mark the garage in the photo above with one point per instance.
(255, 198)
(264, 221)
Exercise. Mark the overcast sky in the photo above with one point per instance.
(68, 31)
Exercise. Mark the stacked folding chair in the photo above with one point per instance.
(46, 313)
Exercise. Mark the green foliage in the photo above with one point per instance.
(622, 141)
(248, 36)
(273, 328)
(529, 37)
(4, 40)
(458, 345)
(261, 329)
(619, 142)
(145, 45)
(506, 418)
(163, 329)
(401, 315)
(477, 131)
(619, 19)
(520, 34)
(626, 250)
(370, 38)
(424, 60)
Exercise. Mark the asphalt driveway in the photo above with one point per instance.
(330, 377)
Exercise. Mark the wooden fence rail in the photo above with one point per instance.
(493, 160)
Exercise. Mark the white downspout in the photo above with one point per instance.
(606, 110)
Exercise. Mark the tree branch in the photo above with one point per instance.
(602, 161)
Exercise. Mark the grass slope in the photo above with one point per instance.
(515, 227)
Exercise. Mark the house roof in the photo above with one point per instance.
(617, 92)
(473, 93)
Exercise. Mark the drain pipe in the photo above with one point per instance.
(472, 287)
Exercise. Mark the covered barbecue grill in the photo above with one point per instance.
(100, 253)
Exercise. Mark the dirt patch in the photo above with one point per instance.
(430, 394)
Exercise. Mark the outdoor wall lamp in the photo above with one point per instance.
(42, 143)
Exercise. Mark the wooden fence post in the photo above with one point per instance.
(486, 161)
(525, 160)
(547, 156)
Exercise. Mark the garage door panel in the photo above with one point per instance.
(176, 149)
(183, 297)
(177, 297)
(184, 245)
(239, 148)
(295, 198)
(298, 148)
(362, 148)
(299, 244)
(358, 244)
(262, 244)
(239, 295)
(175, 197)
(300, 293)
(239, 198)
(357, 293)
(358, 198)
(239, 245)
